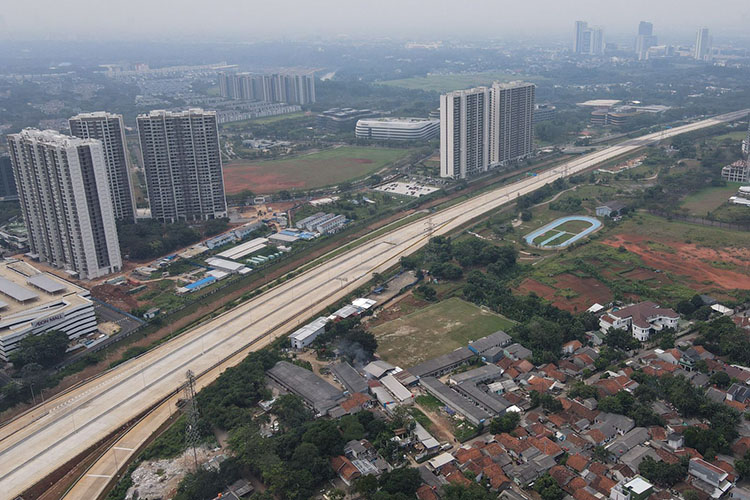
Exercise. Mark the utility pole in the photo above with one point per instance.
(190, 409)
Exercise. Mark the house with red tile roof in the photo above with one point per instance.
(582, 494)
(546, 446)
(577, 483)
(571, 347)
(345, 469)
(658, 433)
(425, 492)
(596, 436)
(583, 361)
(511, 444)
(603, 484)
(496, 478)
(562, 475)
(556, 419)
(464, 455)
(523, 366)
(741, 446)
(457, 477)
(577, 462)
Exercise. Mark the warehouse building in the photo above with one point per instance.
(32, 303)
(397, 129)
(349, 377)
(455, 401)
(497, 339)
(316, 392)
(441, 365)
(400, 393)
(308, 333)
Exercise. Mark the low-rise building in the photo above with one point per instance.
(738, 171)
(636, 488)
(308, 333)
(33, 303)
(397, 129)
(316, 392)
(610, 209)
(641, 318)
(709, 478)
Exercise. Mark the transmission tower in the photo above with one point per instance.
(746, 143)
(190, 409)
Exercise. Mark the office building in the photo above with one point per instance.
(342, 119)
(544, 112)
(464, 133)
(645, 40)
(485, 127)
(397, 129)
(588, 40)
(511, 121)
(65, 201)
(110, 130)
(702, 45)
(579, 41)
(182, 160)
(290, 88)
(33, 303)
(7, 182)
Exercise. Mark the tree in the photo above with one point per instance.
(366, 485)
(526, 215)
(548, 488)
(427, 292)
(46, 349)
(663, 474)
(601, 454)
(620, 339)
(291, 411)
(721, 379)
(505, 423)
(404, 480)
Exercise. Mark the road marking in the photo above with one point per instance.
(103, 476)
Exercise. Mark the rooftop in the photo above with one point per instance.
(316, 391)
(24, 288)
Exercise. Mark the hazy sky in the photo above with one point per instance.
(254, 19)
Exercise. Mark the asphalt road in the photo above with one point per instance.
(36, 443)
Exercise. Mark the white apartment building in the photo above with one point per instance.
(485, 127)
(32, 303)
(641, 318)
(397, 129)
(182, 160)
(110, 130)
(464, 133)
(63, 190)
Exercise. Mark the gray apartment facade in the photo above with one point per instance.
(110, 130)
(64, 195)
(483, 128)
(291, 88)
(182, 160)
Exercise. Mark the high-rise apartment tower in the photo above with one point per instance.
(182, 161)
(110, 130)
(485, 127)
(65, 200)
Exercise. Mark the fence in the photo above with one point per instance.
(699, 220)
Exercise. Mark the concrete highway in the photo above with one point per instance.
(36, 443)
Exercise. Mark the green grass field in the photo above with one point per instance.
(709, 199)
(322, 168)
(435, 330)
(445, 83)
(260, 121)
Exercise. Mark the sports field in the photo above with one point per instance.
(709, 199)
(322, 168)
(434, 330)
(445, 83)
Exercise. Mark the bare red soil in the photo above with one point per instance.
(589, 290)
(691, 261)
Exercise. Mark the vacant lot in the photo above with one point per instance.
(435, 330)
(323, 168)
(445, 83)
(709, 199)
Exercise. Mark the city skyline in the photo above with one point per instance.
(334, 18)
